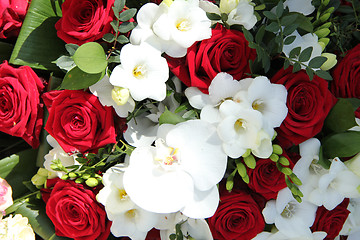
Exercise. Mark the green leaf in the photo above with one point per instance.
(289, 40)
(119, 5)
(38, 220)
(260, 34)
(324, 74)
(122, 39)
(127, 14)
(19, 168)
(270, 15)
(109, 37)
(71, 48)
(170, 118)
(288, 19)
(310, 73)
(295, 52)
(38, 45)
(5, 51)
(305, 54)
(341, 117)
(317, 62)
(213, 16)
(77, 79)
(290, 29)
(127, 27)
(296, 67)
(304, 22)
(345, 144)
(280, 9)
(248, 36)
(286, 64)
(65, 62)
(355, 102)
(272, 27)
(90, 58)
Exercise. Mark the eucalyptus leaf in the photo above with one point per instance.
(272, 27)
(341, 117)
(317, 62)
(310, 73)
(109, 37)
(90, 58)
(295, 52)
(127, 27)
(280, 9)
(270, 15)
(290, 29)
(324, 74)
(305, 54)
(65, 62)
(170, 118)
(289, 40)
(288, 19)
(71, 48)
(77, 79)
(122, 39)
(213, 16)
(37, 44)
(345, 144)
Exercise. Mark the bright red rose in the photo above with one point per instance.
(12, 14)
(308, 102)
(75, 212)
(78, 121)
(21, 113)
(266, 179)
(238, 217)
(85, 21)
(332, 221)
(346, 83)
(226, 51)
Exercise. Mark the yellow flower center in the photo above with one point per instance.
(183, 25)
(139, 71)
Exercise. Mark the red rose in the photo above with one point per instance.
(226, 51)
(78, 121)
(266, 179)
(84, 21)
(346, 83)
(21, 112)
(75, 212)
(12, 14)
(308, 102)
(332, 221)
(238, 217)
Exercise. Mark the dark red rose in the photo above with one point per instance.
(226, 51)
(238, 217)
(308, 102)
(21, 113)
(12, 14)
(346, 83)
(266, 179)
(85, 21)
(75, 212)
(332, 221)
(78, 121)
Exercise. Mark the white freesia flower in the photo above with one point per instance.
(292, 218)
(171, 29)
(180, 173)
(304, 6)
(143, 71)
(196, 228)
(127, 218)
(5, 196)
(117, 97)
(280, 236)
(16, 227)
(334, 186)
(57, 153)
(308, 40)
(352, 223)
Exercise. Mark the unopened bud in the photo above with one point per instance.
(79, 180)
(277, 149)
(250, 161)
(72, 175)
(241, 169)
(38, 180)
(325, 17)
(322, 32)
(273, 157)
(42, 172)
(92, 182)
(284, 161)
(247, 153)
(120, 95)
(330, 62)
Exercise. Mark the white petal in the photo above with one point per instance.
(197, 99)
(223, 86)
(141, 131)
(210, 114)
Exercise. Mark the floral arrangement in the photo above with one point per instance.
(180, 119)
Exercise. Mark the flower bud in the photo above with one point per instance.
(354, 164)
(72, 175)
(167, 2)
(325, 17)
(38, 180)
(250, 161)
(277, 149)
(226, 6)
(42, 172)
(120, 95)
(322, 32)
(92, 182)
(330, 62)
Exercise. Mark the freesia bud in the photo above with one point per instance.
(120, 95)
(330, 62)
(322, 32)
(354, 164)
(38, 180)
(226, 6)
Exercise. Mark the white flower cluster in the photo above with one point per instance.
(16, 228)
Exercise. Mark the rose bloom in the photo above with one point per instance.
(346, 83)
(5, 195)
(226, 51)
(85, 21)
(332, 221)
(266, 179)
(238, 217)
(21, 112)
(78, 121)
(308, 102)
(12, 14)
(74, 211)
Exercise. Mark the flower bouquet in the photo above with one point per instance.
(180, 119)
